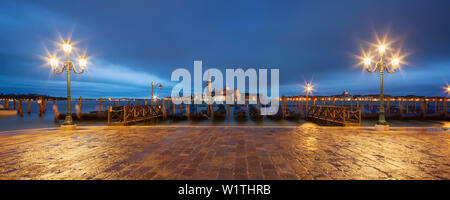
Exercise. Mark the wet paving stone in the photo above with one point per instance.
(225, 153)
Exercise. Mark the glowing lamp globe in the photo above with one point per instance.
(53, 62)
(395, 62)
(67, 47)
(367, 61)
(382, 48)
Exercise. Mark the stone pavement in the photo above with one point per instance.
(225, 153)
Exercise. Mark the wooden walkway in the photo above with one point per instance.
(334, 115)
(126, 115)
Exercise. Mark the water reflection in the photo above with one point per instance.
(32, 120)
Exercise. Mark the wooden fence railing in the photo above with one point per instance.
(339, 115)
(125, 115)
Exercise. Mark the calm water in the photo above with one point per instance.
(32, 120)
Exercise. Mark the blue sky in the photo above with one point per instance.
(135, 42)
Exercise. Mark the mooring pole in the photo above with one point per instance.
(435, 104)
(228, 111)
(188, 111)
(415, 105)
(20, 110)
(426, 104)
(212, 110)
(29, 106)
(100, 105)
(445, 107)
(6, 104)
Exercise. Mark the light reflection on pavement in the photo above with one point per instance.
(305, 152)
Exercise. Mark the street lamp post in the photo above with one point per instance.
(159, 87)
(308, 89)
(68, 65)
(382, 66)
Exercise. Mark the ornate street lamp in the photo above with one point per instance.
(381, 66)
(159, 85)
(68, 66)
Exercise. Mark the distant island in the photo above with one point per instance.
(29, 96)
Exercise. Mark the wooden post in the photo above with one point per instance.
(29, 106)
(163, 108)
(407, 105)
(388, 105)
(283, 108)
(415, 105)
(435, 104)
(81, 103)
(334, 101)
(14, 104)
(109, 115)
(43, 105)
(173, 108)
(169, 108)
(20, 110)
(351, 103)
(426, 105)
(100, 105)
(188, 111)
(228, 111)
(247, 111)
(6, 104)
(40, 107)
(445, 106)
(124, 115)
(208, 110)
(265, 108)
(258, 107)
(360, 119)
(212, 110)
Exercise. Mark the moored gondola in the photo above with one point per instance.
(240, 114)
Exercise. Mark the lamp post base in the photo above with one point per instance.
(68, 126)
(382, 127)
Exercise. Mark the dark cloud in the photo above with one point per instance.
(304, 39)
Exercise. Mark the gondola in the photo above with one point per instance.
(198, 115)
(277, 116)
(220, 113)
(292, 115)
(254, 113)
(240, 114)
(182, 115)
